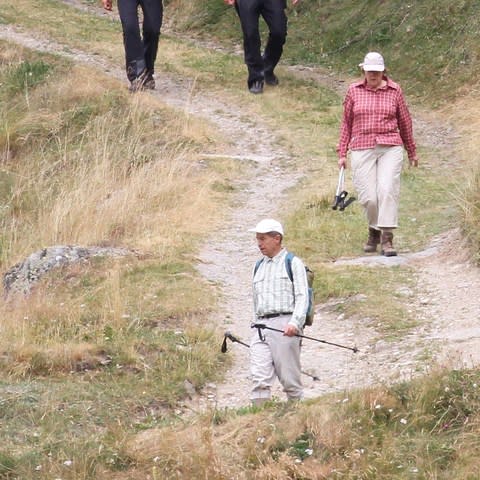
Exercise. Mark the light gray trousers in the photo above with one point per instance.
(376, 177)
(276, 356)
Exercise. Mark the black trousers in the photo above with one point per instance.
(273, 12)
(140, 50)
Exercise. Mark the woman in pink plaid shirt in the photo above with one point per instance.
(376, 127)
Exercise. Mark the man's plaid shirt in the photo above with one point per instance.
(274, 292)
(375, 117)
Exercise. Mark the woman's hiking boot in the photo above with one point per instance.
(373, 240)
(387, 245)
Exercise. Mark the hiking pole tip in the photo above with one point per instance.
(223, 348)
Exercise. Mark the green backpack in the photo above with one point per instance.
(310, 277)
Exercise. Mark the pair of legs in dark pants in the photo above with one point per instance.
(273, 12)
(140, 53)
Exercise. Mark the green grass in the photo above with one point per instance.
(25, 76)
(371, 295)
(469, 200)
(61, 23)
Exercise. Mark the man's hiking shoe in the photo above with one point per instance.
(373, 240)
(143, 82)
(256, 86)
(271, 79)
(149, 83)
(387, 245)
(136, 85)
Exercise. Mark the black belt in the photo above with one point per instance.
(273, 315)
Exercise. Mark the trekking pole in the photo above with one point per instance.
(263, 326)
(236, 340)
(338, 194)
(341, 194)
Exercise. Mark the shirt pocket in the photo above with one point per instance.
(272, 289)
(283, 288)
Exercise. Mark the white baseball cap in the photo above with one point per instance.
(373, 62)
(268, 225)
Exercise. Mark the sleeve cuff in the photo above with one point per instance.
(297, 323)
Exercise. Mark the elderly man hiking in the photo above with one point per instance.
(279, 303)
(261, 67)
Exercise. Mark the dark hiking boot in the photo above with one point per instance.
(143, 82)
(373, 240)
(136, 85)
(271, 79)
(256, 86)
(387, 245)
(149, 83)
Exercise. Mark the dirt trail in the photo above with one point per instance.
(446, 302)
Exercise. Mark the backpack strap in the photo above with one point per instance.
(257, 264)
(288, 265)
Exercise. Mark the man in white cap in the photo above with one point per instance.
(279, 303)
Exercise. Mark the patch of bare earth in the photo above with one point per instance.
(446, 301)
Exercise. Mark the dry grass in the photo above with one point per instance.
(116, 181)
(86, 163)
(464, 115)
(244, 447)
(37, 360)
(426, 429)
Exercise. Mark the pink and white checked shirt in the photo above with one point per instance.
(375, 117)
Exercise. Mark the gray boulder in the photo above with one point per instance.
(22, 276)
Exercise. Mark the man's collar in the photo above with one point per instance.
(278, 256)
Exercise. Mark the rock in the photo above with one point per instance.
(22, 276)
(189, 388)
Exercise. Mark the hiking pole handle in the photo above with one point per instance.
(341, 181)
(235, 339)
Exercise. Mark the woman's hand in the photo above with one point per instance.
(413, 161)
(342, 162)
(107, 5)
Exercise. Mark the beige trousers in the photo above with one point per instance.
(276, 356)
(376, 177)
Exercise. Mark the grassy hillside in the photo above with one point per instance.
(424, 429)
(430, 46)
(95, 364)
(105, 348)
